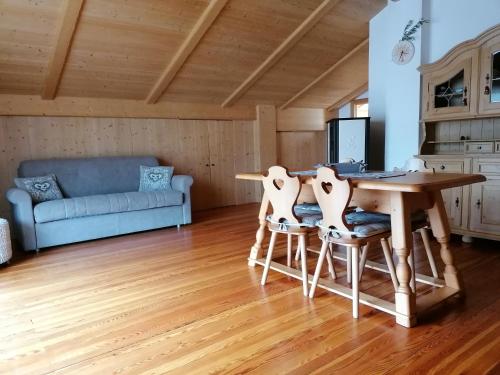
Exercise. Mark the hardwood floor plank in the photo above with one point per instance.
(185, 302)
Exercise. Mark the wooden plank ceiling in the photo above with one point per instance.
(295, 53)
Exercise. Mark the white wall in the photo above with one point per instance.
(394, 91)
(453, 21)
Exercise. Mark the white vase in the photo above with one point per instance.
(5, 244)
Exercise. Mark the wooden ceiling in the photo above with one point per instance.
(289, 53)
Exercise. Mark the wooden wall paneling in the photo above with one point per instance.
(300, 119)
(301, 150)
(265, 137)
(5, 167)
(121, 47)
(487, 130)
(29, 105)
(476, 129)
(496, 128)
(282, 49)
(65, 32)
(27, 33)
(222, 181)
(342, 29)
(187, 47)
(244, 161)
(242, 37)
(184, 144)
(193, 158)
(323, 75)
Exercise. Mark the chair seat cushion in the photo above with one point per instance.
(102, 204)
(368, 224)
(307, 208)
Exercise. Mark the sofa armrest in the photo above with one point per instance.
(24, 221)
(183, 183)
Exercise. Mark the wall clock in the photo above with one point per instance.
(403, 52)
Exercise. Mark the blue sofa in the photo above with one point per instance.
(101, 199)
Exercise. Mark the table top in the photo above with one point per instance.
(414, 182)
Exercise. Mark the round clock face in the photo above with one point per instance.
(403, 52)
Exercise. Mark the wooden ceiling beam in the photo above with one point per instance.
(279, 52)
(187, 47)
(349, 97)
(324, 74)
(65, 33)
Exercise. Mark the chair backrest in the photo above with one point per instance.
(416, 165)
(282, 189)
(333, 194)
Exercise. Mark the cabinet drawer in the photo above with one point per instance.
(488, 167)
(479, 147)
(448, 166)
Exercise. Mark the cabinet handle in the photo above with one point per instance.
(487, 86)
(213, 165)
(457, 202)
(478, 204)
(207, 165)
(464, 98)
(442, 167)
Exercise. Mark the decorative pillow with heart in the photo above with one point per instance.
(155, 178)
(41, 189)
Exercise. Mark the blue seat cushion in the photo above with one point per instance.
(307, 208)
(102, 204)
(368, 223)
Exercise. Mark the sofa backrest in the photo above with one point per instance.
(89, 176)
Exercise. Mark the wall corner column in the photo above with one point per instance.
(265, 137)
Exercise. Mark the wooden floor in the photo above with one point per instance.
(185, 302)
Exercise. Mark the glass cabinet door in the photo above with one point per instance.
(495, 77)
(451, 93)
(489, 88)
(448, 90)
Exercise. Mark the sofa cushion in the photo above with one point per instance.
(41, 189)
(69, 208)
(155, 178)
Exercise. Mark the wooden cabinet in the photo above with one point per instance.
(465, 83)
(216, 151)
(485, 206)
(472, 210)
(453, 198)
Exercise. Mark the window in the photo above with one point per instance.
(360, 108)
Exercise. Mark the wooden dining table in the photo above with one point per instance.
(400, 197)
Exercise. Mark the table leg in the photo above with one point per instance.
(441, 230)
(402, 243)
(256, 250)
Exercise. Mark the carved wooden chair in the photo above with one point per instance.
(282, 189)
(338, 226)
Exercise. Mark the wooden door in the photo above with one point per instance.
(485, 206)
(489, 78)
(222, 181)
(448, 92)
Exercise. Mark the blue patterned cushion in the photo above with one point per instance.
(368, 223)
(41, 189)
(307, 208)
(309, 219)
(155, 178)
